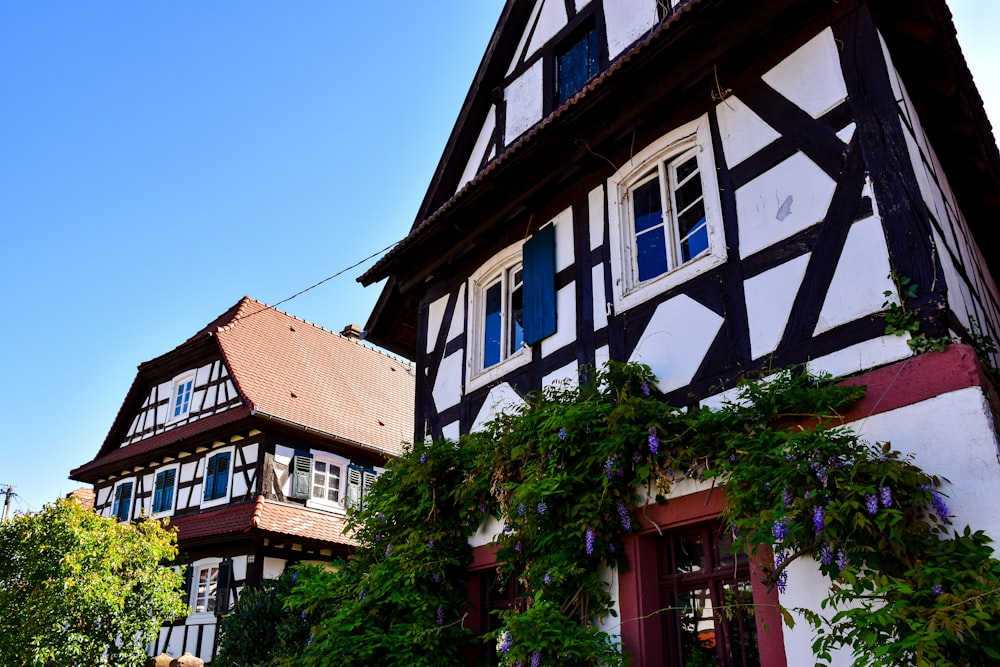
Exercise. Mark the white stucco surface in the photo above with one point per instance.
(673, 344)
(448, 384)
(860, 279)
(743, 132)
(787, 199)
(524, 102)
(501, 398)
(811, 77)
(769, 299)
(626, 21)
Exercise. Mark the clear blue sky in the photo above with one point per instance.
(160, 160)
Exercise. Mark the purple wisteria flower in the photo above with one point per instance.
(591, 539)
(782, 581)
(940, 508)
(542, 507)
(518, 548)
(780, 528)
(547, 579)
(937, 589)
(536, 659)
(842, 560)
(825, 553)
(787, 497)
(440, 616)
(611, 549)
(423, 457)
(625, 516)
(609, 466)
(562, 434)
(654, 442)
(521, 510)
(436, 577)
(388, 549)
(636, 457)
(819, 517)
(822, 475)
(871, 502)
(304, 614)
(644, 386)
(506, 639)
(430, 543)
(885, 495)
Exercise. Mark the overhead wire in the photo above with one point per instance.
(326, 280)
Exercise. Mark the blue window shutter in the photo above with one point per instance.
(224, 586)
(216, 476)
(302, 472)
(539, 260)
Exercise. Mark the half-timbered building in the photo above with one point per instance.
(711, 187)
(252, 437)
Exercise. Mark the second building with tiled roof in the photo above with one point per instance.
(252, 437)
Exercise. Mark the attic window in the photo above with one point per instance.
(577, 62)
(180, 401)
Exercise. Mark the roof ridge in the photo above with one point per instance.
(241, 315)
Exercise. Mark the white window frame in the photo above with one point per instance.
(173, 498)
(323, 502)
(627, 289)
(223, 499)
(131, 499)
(176, 383)
(197, 568)
(498, 267)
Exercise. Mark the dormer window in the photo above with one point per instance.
(180, 401)
(577, 62)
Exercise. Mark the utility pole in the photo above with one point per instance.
(6, 503)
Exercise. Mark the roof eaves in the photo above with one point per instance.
(378, 270)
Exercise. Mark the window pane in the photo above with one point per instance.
(686, 168)
(647, 208)
(687, 194)
(516, 333)
(689, 554)
(491, 329)
(651, 254)
(695, 241)
(696, 628)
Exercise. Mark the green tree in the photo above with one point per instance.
(80, 589)
(261, 628)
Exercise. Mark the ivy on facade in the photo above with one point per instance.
(569, 472)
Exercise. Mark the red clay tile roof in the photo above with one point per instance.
(302, 374)
(264, 516)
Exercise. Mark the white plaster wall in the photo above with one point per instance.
(458, 317)
(502, 398)
(811, 76)
(951, 436)
(479, 149)
(567, 376)
(595, 213)
(551, 19)
(862, 356)
(524, 102)
(627, 21)
(448, 386)
(769, 299)
(791, 197)
(675, 341)
(452, 431)
(565, 251)
(601, 301)
(273, 567)
(861, 278)
(743, 132)
(435, 316)
(565, 320)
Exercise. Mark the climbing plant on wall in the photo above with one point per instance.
(566, 469)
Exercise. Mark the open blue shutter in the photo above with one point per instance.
(539, 261)
(209, 483)
(302, 470)
(222, 475)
